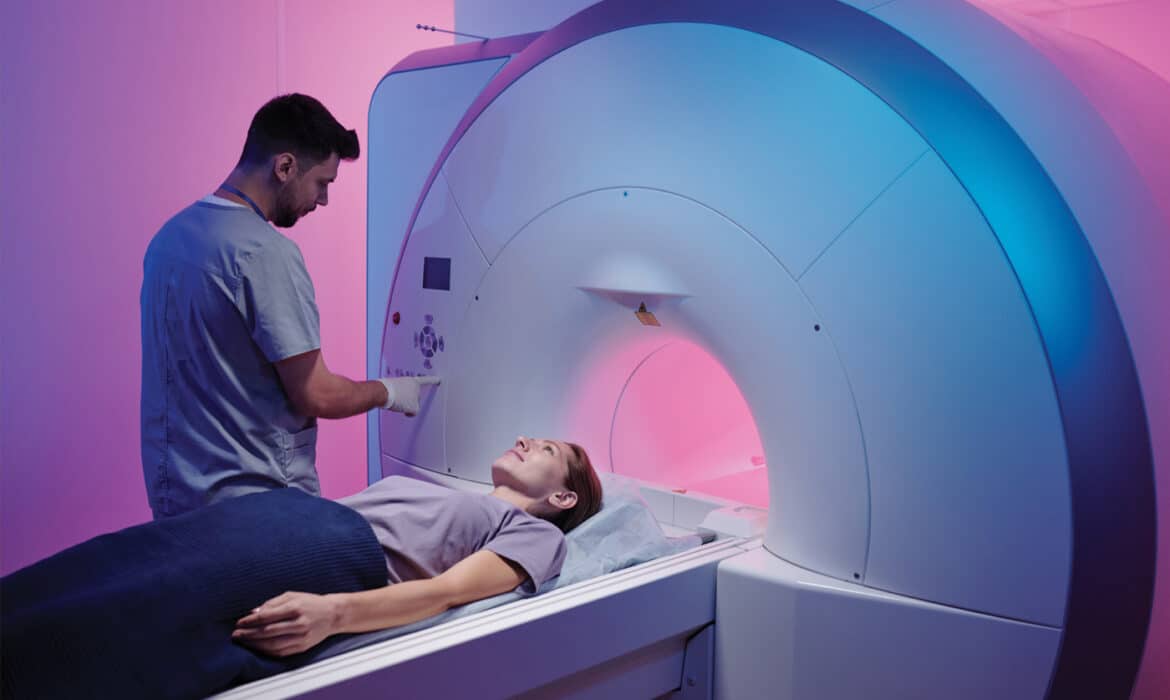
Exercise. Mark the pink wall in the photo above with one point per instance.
(1128, 80)
(113, 116)
(1136, 28)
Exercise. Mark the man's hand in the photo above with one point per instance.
(403, 392)
(288, 624)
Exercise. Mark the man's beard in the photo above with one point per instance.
(284, 215)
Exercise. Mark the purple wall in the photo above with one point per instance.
(113, 116)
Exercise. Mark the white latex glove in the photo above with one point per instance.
(402, 392)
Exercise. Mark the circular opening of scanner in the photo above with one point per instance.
(682, 423)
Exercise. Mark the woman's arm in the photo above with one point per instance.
(294, 622)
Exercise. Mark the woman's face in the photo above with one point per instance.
(533, 466)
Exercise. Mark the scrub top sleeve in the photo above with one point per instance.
(280, 303)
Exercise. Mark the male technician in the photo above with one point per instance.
(233, 378)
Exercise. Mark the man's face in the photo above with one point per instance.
(302, 192)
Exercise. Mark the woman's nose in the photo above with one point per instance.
(522, 442)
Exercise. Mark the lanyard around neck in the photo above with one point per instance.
(255, 207)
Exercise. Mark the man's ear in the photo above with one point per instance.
(563, 500)
(284, 167)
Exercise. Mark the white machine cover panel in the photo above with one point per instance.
(828, 640)
(554, 319)
(778, 141)
(966, 456)
(427, 332)
(413, 137)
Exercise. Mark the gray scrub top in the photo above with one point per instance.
(224, 297)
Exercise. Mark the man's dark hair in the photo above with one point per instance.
(300, 125)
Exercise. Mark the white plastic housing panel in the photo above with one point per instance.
(789, 634)
(412, 115)
(967, 468)
(427, 333)
(778, 141)
(536, 344)
(1114, 205)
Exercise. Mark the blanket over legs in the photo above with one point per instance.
(148, 611)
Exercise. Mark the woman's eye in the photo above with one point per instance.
(548, 448)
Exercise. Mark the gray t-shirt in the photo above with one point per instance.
(426, 529)
(224, 297)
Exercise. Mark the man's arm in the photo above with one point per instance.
(294, 622)
(315, 391)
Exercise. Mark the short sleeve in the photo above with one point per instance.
(536, 545)
(279, 301)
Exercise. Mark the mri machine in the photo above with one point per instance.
(869, 287)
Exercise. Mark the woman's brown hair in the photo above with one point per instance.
(582, 480)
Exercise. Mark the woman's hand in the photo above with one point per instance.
(289, 623)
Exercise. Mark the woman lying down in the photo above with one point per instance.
(233, 592)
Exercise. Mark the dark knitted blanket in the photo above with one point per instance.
(147, 612)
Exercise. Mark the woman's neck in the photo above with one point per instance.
(511, 495)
